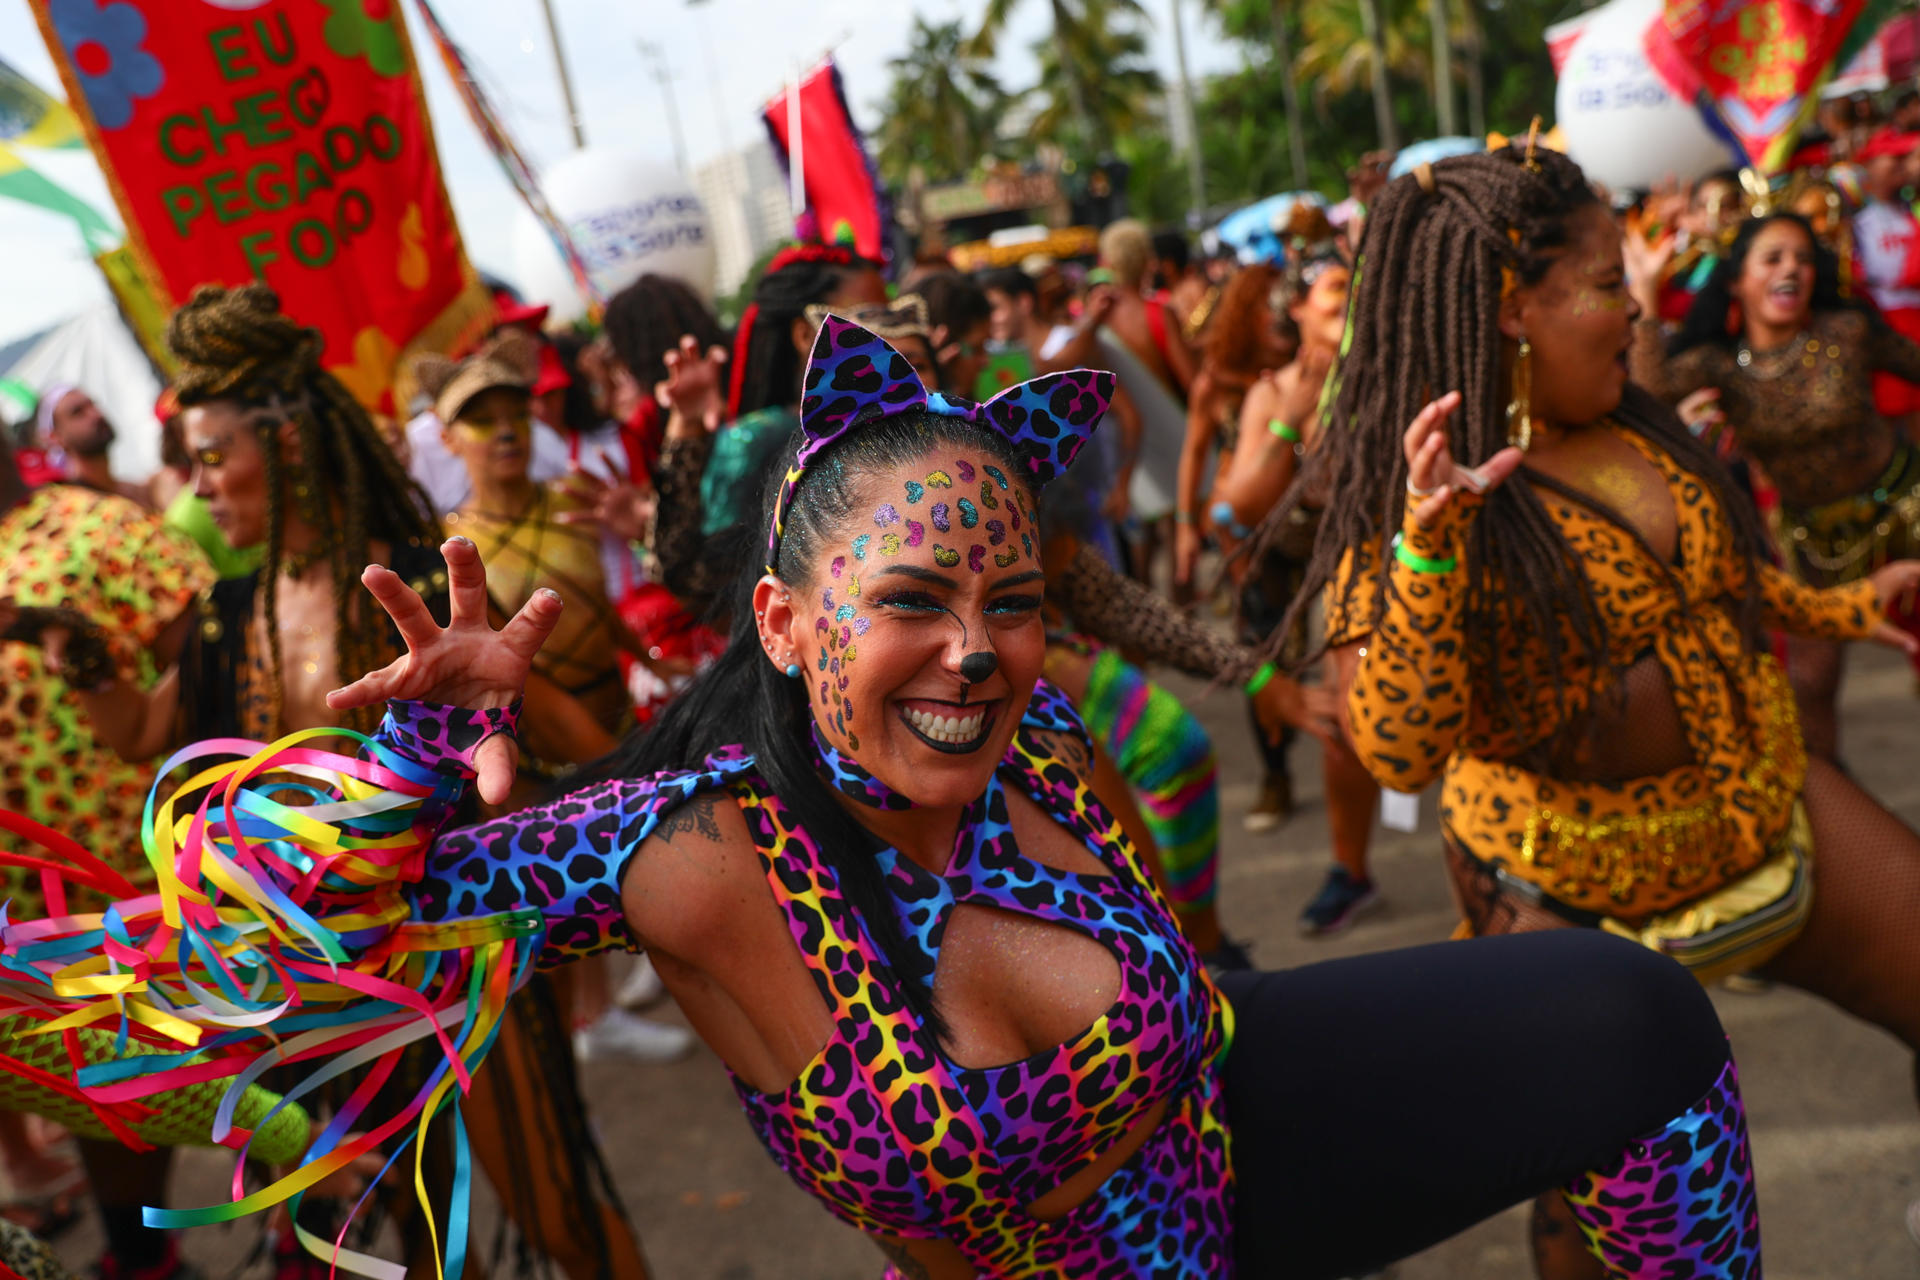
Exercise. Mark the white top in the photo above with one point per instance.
(1884, 237)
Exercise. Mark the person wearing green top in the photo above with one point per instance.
(187, 514)
(769, 353)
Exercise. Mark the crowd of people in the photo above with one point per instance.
(815, 660)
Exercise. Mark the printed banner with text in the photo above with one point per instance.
(281, 139)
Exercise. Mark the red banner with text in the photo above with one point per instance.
(286, 140)
(1755, 66)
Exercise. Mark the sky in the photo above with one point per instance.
(725, 58)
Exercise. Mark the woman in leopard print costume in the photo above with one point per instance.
(1564, 627)
(869, 854)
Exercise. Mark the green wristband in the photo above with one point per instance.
(1260, 678)
(1284, 431)
(1420, 563)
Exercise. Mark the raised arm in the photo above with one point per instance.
(1406, 680)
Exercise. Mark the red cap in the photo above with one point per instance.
(522, 313)
(553, 374)
(1887, 141)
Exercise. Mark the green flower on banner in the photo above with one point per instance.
(366, 29)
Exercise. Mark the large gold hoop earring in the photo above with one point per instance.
(1520, 408)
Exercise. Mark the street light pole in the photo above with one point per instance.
(713, 81)
(658, 57)
(566, 80)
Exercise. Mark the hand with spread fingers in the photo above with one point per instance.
(695, 389)
(619, 506)
(463, 664)
(1433, 477)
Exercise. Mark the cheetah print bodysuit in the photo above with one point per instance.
(881, 1127)
(1624, 850)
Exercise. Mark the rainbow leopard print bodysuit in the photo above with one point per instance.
(881, 1126)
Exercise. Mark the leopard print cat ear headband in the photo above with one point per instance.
(854, 377)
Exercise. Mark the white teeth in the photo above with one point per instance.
(947, 728)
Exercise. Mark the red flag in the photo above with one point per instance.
(842, 189)
(284, 141)
(1754, 67)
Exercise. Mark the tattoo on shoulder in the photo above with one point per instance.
(695, 816)
(904, 1263)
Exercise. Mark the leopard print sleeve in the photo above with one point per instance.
(1408, 703)
(677, 542)
(1847, 612)
(1118, 611)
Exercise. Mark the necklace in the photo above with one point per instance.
(1767, 365)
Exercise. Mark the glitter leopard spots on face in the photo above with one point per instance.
(1027, 543)
(996, 533)
(916, 533)
(823, 660)
(999, 477)
(977, 558)
(843, 614)
(965, 471)
(939, 480)
(853, 587)
(886, 515)
(860, 547)
(826, 599)
(1006, 558)
(987, 500)
(969, 514)
(1013, 517)
(945, 557)
(860, 626)
(889, 544)
(915, 492)
(846, 641)
(820, 626)
(941, 517)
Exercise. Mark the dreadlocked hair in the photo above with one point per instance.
(1423, 319)
(236, 345)
(766, 365)
(647, 319)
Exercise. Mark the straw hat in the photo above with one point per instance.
(511, 360)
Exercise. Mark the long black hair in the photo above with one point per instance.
(743, 700)
(1423, 319)
(1707, 319)
(766, 365)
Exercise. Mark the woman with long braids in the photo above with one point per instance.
(1543, 590)
(288, 459)
(1794, 364)
(869, 859)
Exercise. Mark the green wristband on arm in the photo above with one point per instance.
(1419, 563)
(1261, 678)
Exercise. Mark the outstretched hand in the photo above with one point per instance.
(463, 664)
(695, 387)
(1433, 477)
(1898, 585)
(618, 506)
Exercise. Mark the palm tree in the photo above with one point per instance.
(1098, 82)
(1078, 29)
(1442, 68)
(941, 108)
(1374, 29)
(1290, 93)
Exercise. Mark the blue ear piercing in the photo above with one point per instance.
(793, 671)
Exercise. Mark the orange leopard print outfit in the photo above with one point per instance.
(1622, 850)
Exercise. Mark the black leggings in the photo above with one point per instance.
(1380, 1104)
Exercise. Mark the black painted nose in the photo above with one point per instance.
(976, 667)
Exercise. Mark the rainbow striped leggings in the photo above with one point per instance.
(1167, 758)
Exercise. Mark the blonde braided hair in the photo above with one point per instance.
(236, 345)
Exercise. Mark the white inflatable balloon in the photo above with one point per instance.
(629, 214)
(1622, 125)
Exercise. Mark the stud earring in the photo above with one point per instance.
(793, 671)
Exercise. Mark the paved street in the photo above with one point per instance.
(1836, 1136)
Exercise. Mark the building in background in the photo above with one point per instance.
(746, 197)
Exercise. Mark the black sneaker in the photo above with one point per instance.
(1340, 900)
